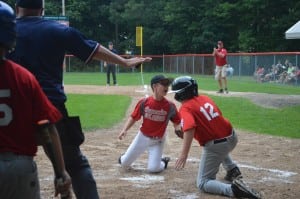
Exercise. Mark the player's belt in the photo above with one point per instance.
(220, 140)
(152, 137)
(223, 139)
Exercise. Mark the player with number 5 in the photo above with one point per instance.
(203, 120)
(27, 119)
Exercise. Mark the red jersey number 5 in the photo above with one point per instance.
(208, 111)
(5, 110)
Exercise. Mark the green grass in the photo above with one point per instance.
(96, 111)
(243, 114)
(239, 84)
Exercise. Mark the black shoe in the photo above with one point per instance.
(234, 173)
(166, 161)
(226, 90)
(119, 160)
(241, 190)
(220, 91)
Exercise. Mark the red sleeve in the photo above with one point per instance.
(188, 121)
(136, 114)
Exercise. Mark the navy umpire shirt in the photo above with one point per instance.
(41, 46)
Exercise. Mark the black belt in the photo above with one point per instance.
(223, 139)
(220, 140)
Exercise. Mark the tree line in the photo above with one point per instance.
(184, 26)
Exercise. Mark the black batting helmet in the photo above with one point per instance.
(184, 87)
(7, 26)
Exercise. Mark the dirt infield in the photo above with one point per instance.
(269, 164)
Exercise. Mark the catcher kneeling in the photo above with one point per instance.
(156, 111)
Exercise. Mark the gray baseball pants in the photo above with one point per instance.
(213, 155)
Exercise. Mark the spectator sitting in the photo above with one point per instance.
(297, 77)
(291, 74)
(259, 73)
(272, 74)
(291, 69)
(282, 77)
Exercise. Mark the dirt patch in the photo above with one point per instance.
(269, 164)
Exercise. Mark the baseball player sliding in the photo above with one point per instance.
(203, 120)
(156, 111)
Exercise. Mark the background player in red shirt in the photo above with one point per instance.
(203, 120)
(220, 54)
(23, 106)
(156, 111)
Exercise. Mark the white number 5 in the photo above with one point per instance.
(5, 109)
(208, 111)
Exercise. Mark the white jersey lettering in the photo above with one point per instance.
(5, 110)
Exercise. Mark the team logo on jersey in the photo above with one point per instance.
(155, 115)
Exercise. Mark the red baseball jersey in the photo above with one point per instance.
(221, 61)
(202, 114)
(155, 116)
(22, 105)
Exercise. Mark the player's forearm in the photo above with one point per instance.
(187, 141)
(52, 147)
(213, 53)
(106, 55)
(177, 126)
(130, 122)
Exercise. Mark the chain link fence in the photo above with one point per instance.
(243, 64)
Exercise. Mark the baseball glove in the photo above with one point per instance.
(179, 133)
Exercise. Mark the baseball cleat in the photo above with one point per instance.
(119, 160)
(233, 174)
(226, 90)
(166, 161)
(241, 190)
(220, 91)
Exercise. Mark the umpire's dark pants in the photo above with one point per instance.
(77, 165)
(111, 68)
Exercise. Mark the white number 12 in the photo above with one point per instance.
(5, 109)
(208, 111)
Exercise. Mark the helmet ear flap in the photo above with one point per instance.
(195, 85)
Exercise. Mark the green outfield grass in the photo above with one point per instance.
(239, 84)
(96, 111)
(243, 114)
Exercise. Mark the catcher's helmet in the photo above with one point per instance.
(7, 26)
(184, 87)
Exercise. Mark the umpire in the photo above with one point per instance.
(111, 67)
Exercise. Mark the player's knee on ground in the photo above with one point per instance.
(155, 168)
(201, 183)
(124, 162)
